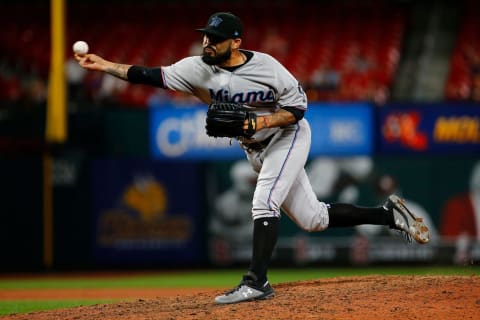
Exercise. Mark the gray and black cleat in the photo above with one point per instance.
(406, 221)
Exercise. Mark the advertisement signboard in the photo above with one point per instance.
(141, 214)
(337, 129)
(438, 128)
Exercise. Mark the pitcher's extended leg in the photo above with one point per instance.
(310, 214)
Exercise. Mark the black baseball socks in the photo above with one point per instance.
(265, 233)
(348, 215)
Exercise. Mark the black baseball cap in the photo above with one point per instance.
(224, 25)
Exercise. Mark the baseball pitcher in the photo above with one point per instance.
(255, 100)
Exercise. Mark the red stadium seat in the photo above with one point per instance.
(157, 33)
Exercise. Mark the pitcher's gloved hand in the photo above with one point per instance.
(226, 119)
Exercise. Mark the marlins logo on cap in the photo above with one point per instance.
(215, 22)
(224, 25)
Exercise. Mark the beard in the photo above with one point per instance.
(218, 59)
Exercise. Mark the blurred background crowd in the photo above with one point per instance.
(371, 50)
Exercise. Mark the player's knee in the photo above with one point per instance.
(316, 223)
(314, 228)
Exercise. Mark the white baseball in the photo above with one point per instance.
(80, 47)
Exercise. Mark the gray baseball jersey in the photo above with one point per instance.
(265, 85)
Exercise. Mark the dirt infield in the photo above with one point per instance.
(369, 297)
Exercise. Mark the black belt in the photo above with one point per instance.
(258, 145)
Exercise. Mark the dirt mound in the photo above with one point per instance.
(369, 297)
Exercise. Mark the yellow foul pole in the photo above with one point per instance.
(56, 129)
(56, 119)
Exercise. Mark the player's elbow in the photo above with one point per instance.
(296, 113)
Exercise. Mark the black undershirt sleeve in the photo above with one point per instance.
(298, 113)
(145, 75)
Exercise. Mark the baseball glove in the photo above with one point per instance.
(225, 119)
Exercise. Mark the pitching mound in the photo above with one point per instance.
(369, 297)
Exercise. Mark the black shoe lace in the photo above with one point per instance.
(229, 292)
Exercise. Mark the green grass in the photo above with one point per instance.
(186, 279)
(214, 278)
(25, 306)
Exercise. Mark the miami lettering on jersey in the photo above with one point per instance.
(222, 95)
